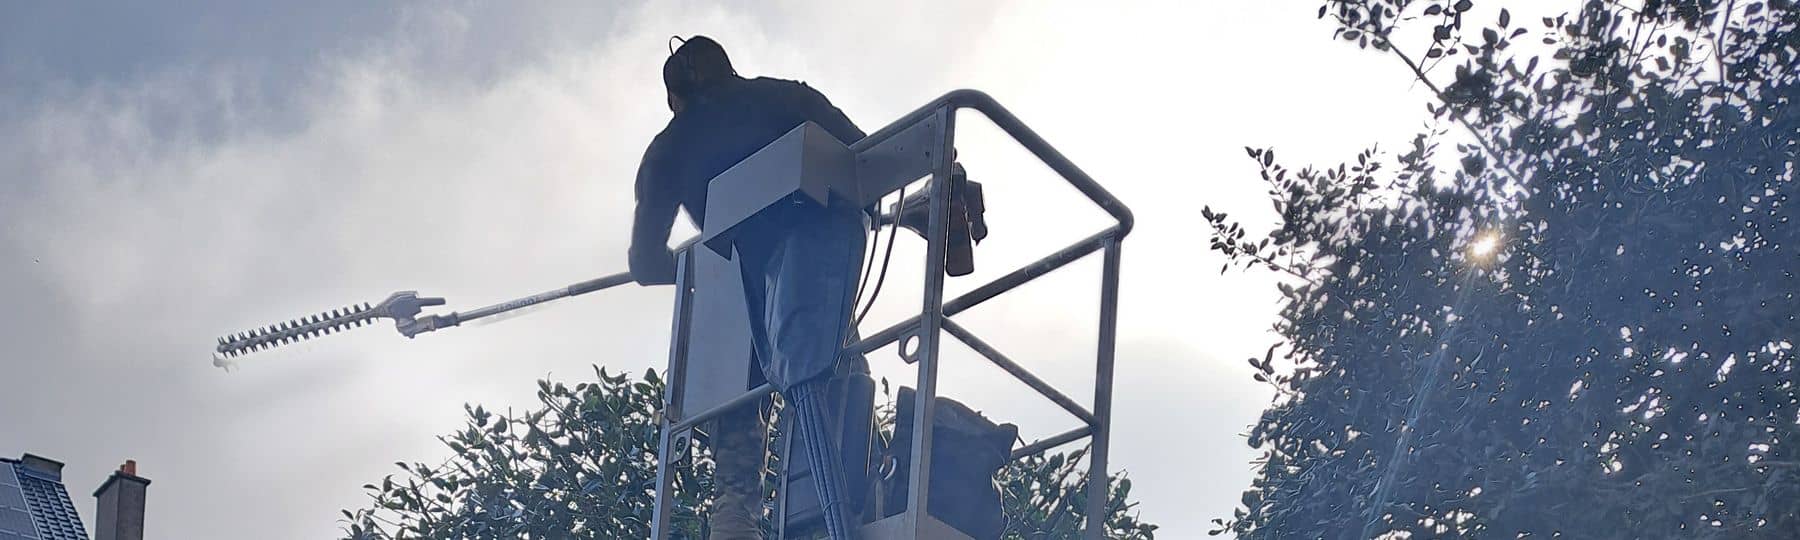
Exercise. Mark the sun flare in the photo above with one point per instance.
(1485, 245)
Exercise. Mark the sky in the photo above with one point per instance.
(173, 172)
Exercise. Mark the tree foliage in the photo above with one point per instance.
(584, 466)
(1566, 309)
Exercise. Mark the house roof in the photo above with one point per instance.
(34, 505)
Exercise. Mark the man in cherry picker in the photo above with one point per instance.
(799, 261)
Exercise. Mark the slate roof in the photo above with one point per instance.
(34, 505)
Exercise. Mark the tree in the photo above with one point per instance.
(584, 466)
(1579, 322)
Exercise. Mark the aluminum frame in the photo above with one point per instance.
(883, 157)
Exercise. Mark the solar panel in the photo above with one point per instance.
(15, 516)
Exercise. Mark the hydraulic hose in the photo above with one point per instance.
(817, 439)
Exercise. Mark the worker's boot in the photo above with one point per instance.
(740, 453)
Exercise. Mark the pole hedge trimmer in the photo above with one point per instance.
(403, 307)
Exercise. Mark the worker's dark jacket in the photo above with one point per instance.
(724, 125)
(799, 261)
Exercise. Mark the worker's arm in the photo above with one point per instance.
(820, 111)
(814, 106)
(651, 261)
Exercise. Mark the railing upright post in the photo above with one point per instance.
(1099, 485)
(673, 377)
(931, 318)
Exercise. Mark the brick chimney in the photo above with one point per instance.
(120, 509)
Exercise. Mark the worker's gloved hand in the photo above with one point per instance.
(652, 266)
(967, 226)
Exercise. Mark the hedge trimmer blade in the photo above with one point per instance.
(403, 307)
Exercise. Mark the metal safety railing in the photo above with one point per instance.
(924, 139)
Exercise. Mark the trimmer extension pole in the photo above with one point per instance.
(434, 322)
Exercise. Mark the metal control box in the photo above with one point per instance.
(807, 161)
